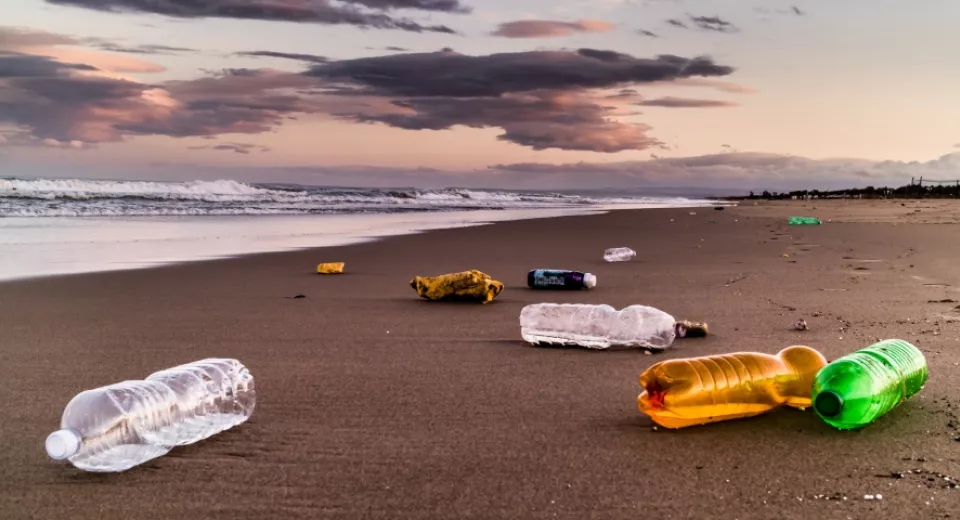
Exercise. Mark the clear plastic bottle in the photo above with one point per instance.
(619, 254)
(237, 397)
(687, 392)
(117, 427)
(855, 390)
(597, 326)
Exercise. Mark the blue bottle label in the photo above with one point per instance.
(556, 277)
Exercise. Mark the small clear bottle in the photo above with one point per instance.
(619, 254)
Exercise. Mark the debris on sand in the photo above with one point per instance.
(801, 324)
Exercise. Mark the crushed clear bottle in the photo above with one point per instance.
(119, 426)
(597, 326)
(619, 254)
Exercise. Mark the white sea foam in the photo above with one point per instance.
(89, 198)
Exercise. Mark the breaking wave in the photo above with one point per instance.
(79, 198)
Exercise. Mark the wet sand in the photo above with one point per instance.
(375, 404)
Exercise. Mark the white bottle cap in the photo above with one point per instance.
(589, 280)
(63, 444)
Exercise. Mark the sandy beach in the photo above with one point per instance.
(375, 404)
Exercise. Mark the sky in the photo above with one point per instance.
(524, 93)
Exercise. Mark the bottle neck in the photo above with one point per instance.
(63, 444)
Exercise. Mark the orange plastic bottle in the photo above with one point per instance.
(686, 392)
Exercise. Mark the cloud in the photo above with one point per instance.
(310, 58)
(15, 64)
(705, 23)
(765, 170)
(65, 49)
(144, 49)
(241, 148)
(549, 28)
(646, 33)
(19, 37)
(713, 23)
(370, 14)
(539, 120)
(723, 86)
(676, 102)
(458, 75)
(956, 145)
(796, 10)
(540, 99)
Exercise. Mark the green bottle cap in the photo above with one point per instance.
(828, 403)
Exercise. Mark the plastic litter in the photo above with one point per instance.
(470, 285)
(619, 254)
(330, 268)
(855, 390)
(804, 221)
(687, 392)
(602, 326)
(560, 279)
(119, 426)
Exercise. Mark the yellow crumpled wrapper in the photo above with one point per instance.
(330, 268)
(467, 285)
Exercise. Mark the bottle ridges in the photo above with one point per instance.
(686, 392)
(858, 388)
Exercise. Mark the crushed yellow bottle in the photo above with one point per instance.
(687, 392)
(330, 268)
(466, 285)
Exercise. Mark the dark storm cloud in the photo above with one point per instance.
(347, 12)
(310, 58)
(449, 74)
(677, 23)
(539, 99)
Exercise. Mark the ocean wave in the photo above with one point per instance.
(79, 198)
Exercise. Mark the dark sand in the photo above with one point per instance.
(375, 404)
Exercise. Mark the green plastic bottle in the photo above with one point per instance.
(856, 389)
(799, 221)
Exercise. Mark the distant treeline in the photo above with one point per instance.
(910, 191)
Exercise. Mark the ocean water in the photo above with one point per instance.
(64, 226)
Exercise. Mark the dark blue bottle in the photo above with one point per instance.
(560, 279)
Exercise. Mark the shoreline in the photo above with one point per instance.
(375, 404)
(384, 225)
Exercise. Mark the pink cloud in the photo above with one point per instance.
(550, 28)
